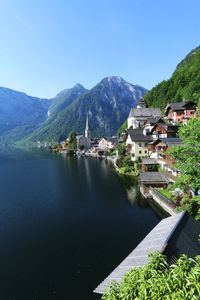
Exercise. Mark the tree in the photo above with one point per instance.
(188, 162)
(72, 141)
(71, 136)
(121, 149)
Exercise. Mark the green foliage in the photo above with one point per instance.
(157, 282)
(127, 162)
(81, 147)
(56, 146)
(184, 84)
(126, 170)
(165, 193)
(123, 127)
(119, 163)
(127, 166)
(113, 152)
(72, 141)
(188, 162)
(71, 136)
(121, 149)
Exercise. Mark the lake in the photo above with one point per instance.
(65, 224)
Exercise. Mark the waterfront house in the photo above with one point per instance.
(137, 143)
(113, 142)
(154, 179)
(180, 112)
(149, 164)
(110, 143)
(103, 144)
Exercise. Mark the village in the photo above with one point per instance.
(142, 149)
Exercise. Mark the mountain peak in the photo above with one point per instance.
(113, 79)
(78, 86)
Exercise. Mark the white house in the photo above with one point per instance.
(137, 143)
(138, 116)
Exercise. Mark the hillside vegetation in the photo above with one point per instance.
(184, 83)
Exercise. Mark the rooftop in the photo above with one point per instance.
(137, 135)
(151, 177)
(150, 161)
(180, 105)
(145, 112)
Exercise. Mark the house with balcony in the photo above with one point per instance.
(180, 112)
(163, 130)
(160, 148)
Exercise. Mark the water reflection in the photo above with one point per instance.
(132, 195)
(62, 219)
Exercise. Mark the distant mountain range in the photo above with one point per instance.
(32, 119)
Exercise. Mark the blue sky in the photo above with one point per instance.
(47, 45)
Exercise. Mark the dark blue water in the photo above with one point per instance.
(65, 223)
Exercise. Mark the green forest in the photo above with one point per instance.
(184, 83)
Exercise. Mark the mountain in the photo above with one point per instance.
(64, 99)
(19, 109)
(108, 105)
(32, 112)
(183, 84)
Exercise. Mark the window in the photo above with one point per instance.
(179, 114)
(178, 120)
(140, 152)
(192, 112)
(145, 144)
(145, 151)
(140, 145)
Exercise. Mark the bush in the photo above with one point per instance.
(156, 281)
(119, 163)
(127, 162)
(121, 149)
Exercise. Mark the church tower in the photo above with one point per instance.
(141, 103)
(87, 133)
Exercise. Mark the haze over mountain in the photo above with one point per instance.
(17, 109)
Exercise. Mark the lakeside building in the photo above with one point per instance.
(160, 148)
(180, 112)
(110, 143)
(137, 143)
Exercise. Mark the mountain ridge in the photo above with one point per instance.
(108, 104)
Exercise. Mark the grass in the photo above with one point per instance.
(165, 193)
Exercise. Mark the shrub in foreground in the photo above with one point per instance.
(156, 281)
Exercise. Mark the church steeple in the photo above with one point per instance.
(87, 130)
